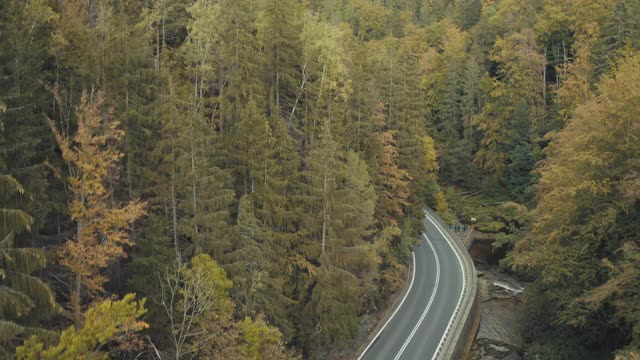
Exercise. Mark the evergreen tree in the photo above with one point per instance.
(241, 61)
(190, 184)
(25, 298)
(26, 28)
(323, 166)
(278, 24)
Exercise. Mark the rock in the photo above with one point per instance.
(499, 322)
(497, 348)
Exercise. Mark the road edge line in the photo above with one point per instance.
(444, 335)
(426, 310)
(413, 276)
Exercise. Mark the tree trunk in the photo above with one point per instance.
(324, 209)
(175, 218)
(76, 295)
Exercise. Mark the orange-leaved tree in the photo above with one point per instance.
(394, 181)
(103, 224)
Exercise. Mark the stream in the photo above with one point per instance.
(499, 332)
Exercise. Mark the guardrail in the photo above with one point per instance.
(468, 237)
(447, 348)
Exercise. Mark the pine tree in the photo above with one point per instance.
(24, 298)
(254, 147)
(355, 201)
(253, 266)
(323, 167)
(279, 207)
(278, 24)
(190, 184)
(331, 311)
(26, 29)
(240, 62)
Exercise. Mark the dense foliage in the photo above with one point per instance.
(257, 169)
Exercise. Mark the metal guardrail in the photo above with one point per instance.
(468, 237)
(446, 349)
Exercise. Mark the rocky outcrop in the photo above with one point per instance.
(499, 333)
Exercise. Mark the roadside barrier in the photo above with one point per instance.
(463, 324)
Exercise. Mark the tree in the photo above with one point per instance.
(263, 341)
(340, 202)
(278, 23)
(355, 203)
(105, 322)
(331, 314)
(249, 339)
(102, 225)
(21, 292)
(23, 64)
(369, 20)
(515, 102)
(587, 211)
(254, 267)
(393, 180)
(240, 61)
(323, 165)
(325, 84)
(189, 293)
(190, 184)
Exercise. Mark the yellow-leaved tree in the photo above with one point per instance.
(102, 224)
(583, 243)
(108, 321)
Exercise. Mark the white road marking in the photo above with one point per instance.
(461, 290)
(404, 346)
(426, 310)
(413, 276)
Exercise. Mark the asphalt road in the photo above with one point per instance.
(417, 326)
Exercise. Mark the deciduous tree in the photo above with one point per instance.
(103, 225)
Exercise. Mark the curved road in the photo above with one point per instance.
(417, 326)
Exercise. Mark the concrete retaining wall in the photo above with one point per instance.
(469, 330)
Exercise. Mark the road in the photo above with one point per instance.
(418, 324)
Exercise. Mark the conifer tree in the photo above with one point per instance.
(253, 266)
(26, 29)
(355, 203)
(240, 62)
(392, 180)
(278, 24)
(323, 167)
(331, 311)
(25, 298)
(191, 185)
(279, 207)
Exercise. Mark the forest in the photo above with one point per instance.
(245, 179)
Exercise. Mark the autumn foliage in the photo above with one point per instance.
(103, 225)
